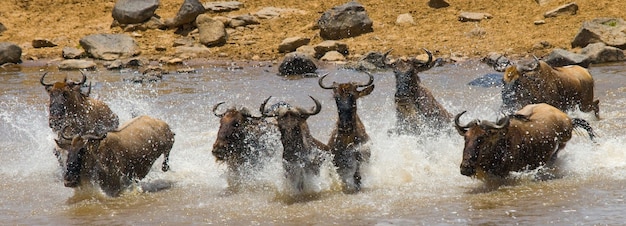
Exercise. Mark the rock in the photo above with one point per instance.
(296, 64)
(561, 57)
(329, 45)
(539, 22)
(212, 32)
(42, 43)
(405, 19)
(184, 41)
(10, 53)
(148, 74)
(113, 65)
(110, 46)
(134, 11)
(567, 9)
(610, 31)
(243, 20)
(152, 24)
(72, 53)
(273, 12)
(306, 50)
(186, 14)
(543, 2)
(372, 60)
(498, 61)
(488, 80)
(344, 21)
(2, 28)
(601, 53)
(73, 64)
(473, 17)
(186, 52)
(437, 4)
(291, 44)
(333, 56)
(219, 7)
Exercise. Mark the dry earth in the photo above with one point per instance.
(511, 30)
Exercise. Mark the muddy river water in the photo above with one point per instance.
(410, 180)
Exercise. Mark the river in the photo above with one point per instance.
(410, 180)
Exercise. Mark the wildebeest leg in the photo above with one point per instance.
(166, 158)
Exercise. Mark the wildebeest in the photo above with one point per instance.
(244, 142)
(530, 138)
(73, 110)
(415, 105)
(116, 159)
(348, 141)
(303, 155)
(537, 82)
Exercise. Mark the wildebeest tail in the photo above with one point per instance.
(581, 123)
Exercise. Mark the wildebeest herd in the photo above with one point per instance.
(92, 150)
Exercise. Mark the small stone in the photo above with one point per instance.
(405, 19)
(539, 22)
(473, 17)
(42, 43)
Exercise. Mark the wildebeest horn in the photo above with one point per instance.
(41, 80)
(63, 132)
(317, 109)
(462, 129)
(262, 109)
(370, 81)
(321, 82)
(82, 81)
(94, 137)
(88, 90)
(536, 59)
(430, 56)
(499, 125)
(215, 109)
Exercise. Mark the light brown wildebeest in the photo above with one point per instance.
(244, 142)
(303, 155)
(530, 138)
(348, 141)
(537, 82)
(76, 112)
(416, 106)
(118, 158)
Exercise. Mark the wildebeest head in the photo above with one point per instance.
(76, 154)
(346, 95)
(291, 118)
(518, 79)
(406, 70)
(63, 96)
(229, 143)
(481, 140)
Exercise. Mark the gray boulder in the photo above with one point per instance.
(498, 61)
(134, 11)
(297, 64)
(345, 21)
(212, 32)
(372, 60)
(10, 53)
(601, 53)
(610, 31)
(187, 13)
(110, 46)
(561, 57)
(242, 20)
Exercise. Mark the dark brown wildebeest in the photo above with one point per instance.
(303, 155)
(73, 110)
(415, 105)
(348, 141)
(244, 142)
(530, 138)
(118, 158)
(537, 82)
